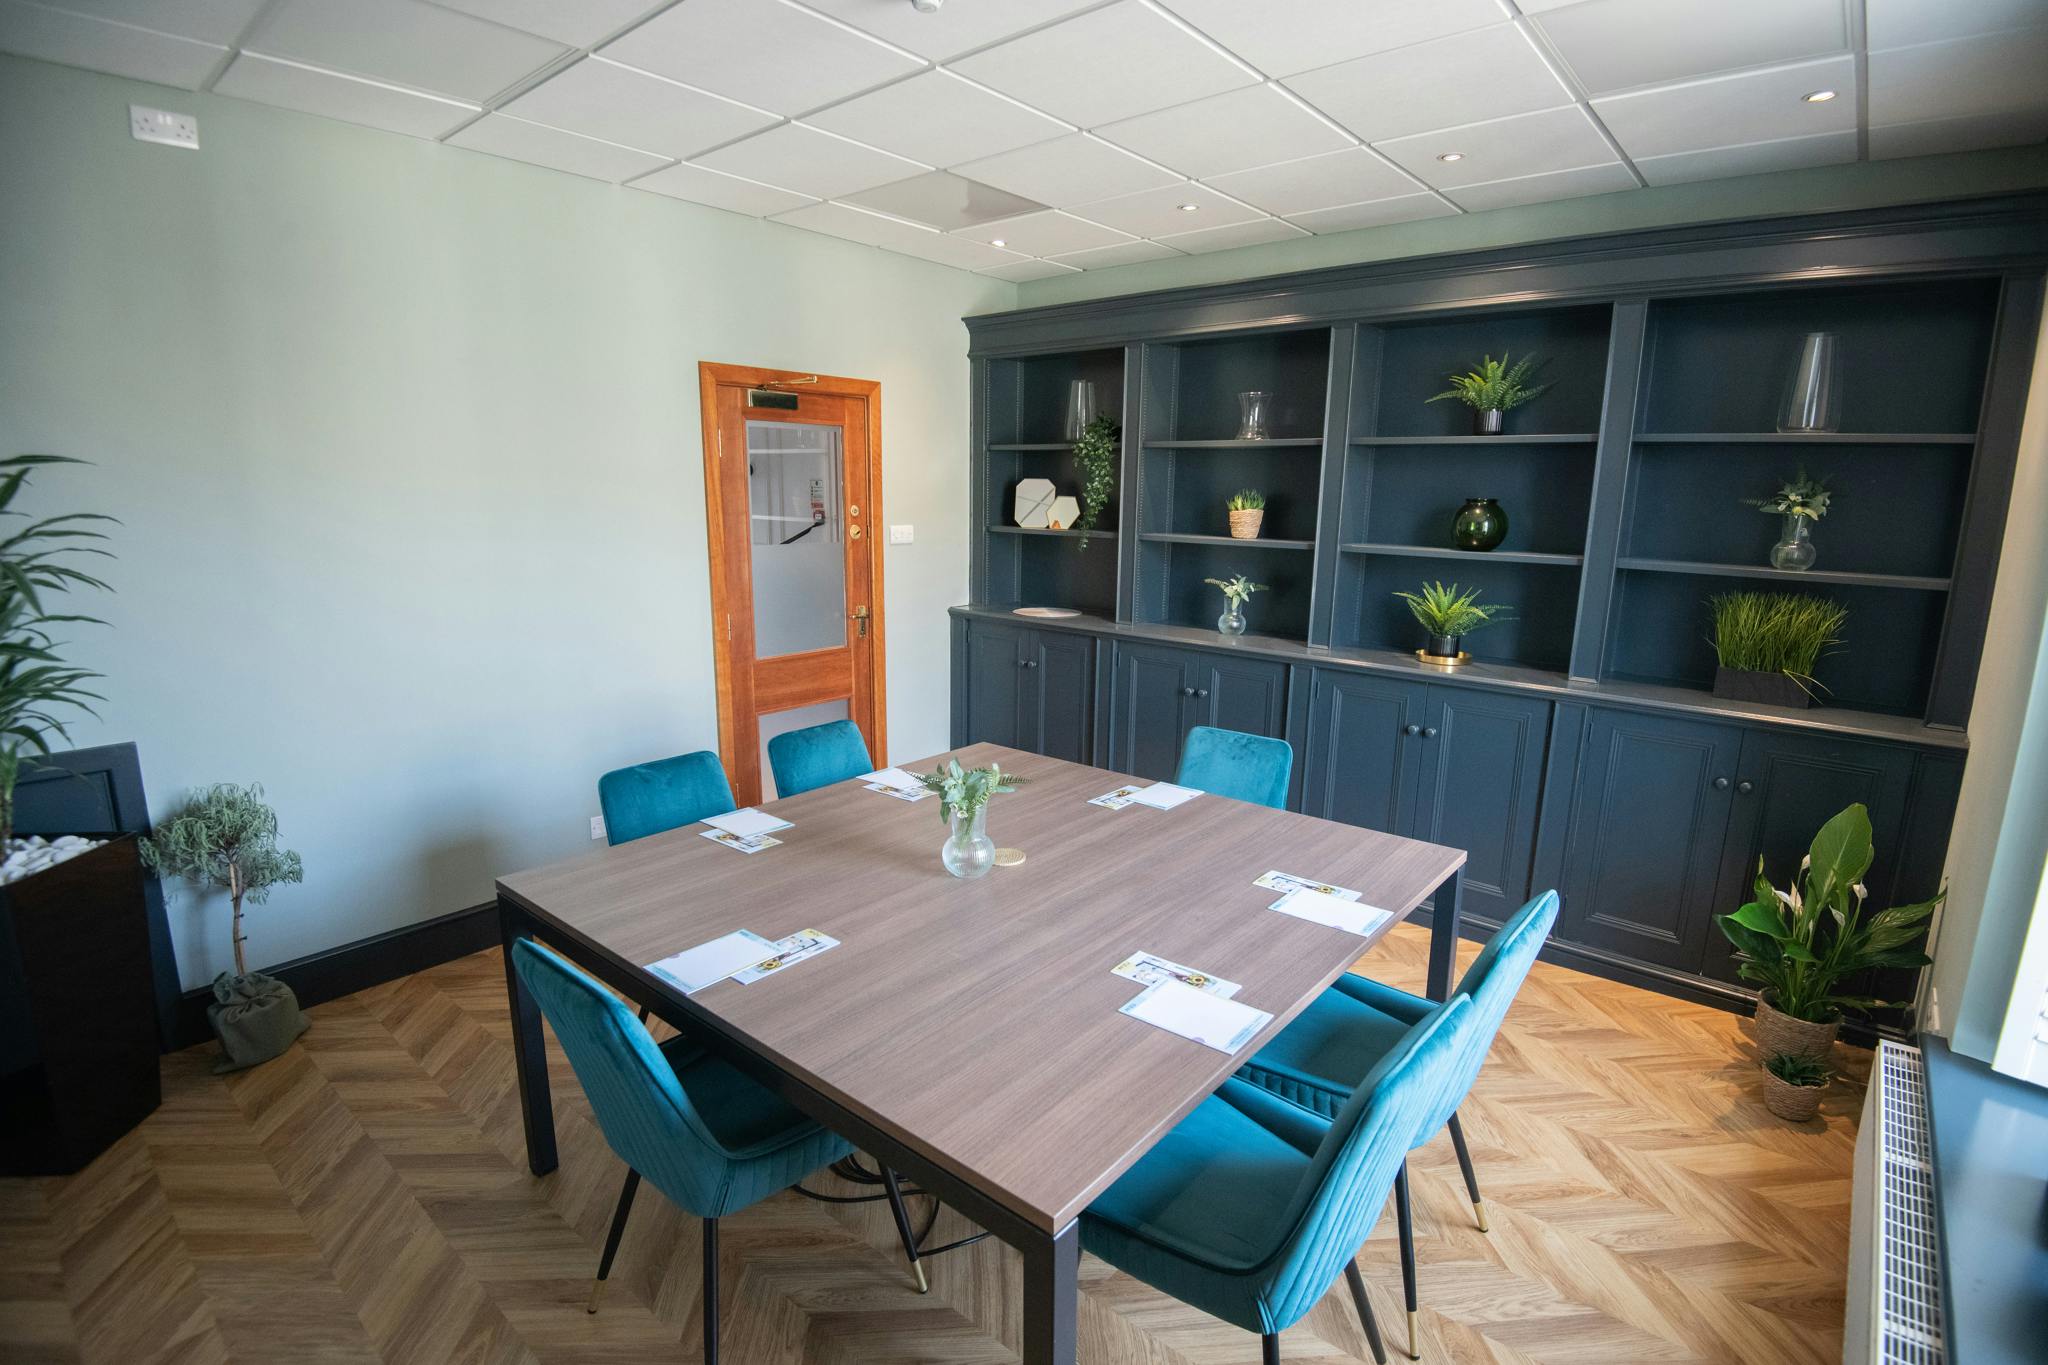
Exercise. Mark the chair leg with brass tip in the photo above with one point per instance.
(611, 1241)
(1372, 1326)
(1406, 1222)
(1471, 1180)
(902, 1214)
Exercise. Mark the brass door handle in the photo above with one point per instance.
(860, 614)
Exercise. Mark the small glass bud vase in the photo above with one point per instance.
(1254, 410)
(1796, 551)
(968, 851)
(1231, 622)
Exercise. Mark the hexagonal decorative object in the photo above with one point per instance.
(1064, 513)
(1034, 502)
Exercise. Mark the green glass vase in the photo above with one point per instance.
(1479, 525)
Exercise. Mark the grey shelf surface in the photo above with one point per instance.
(1441, 552)
(1763, 571)
(1504, 439)
(1284, 442)
(1030, 445)
(1816, 438)
(1257, 542)
(1049, 531)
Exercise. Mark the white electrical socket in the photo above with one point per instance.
(597, 827)
(157, 125)
(902, 535)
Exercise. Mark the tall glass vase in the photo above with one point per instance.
(1812, 400)
(1083, 407)
(968, 851)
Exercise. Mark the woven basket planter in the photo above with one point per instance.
(1244, 523)
(1776, 1033)
(1793, 1103)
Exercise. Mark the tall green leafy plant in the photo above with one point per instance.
(1776, 632)
(1095, 457)
(1494, 385)
(36, 685)
(225, 836)
(1451, 611)
(1803, 944)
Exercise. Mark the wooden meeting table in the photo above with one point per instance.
(967, 1033)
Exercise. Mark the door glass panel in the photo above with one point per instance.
(796, 718)
(795, 474)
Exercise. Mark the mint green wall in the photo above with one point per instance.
(405, 441)
(1862, 185)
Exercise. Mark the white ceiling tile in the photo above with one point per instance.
(1282, 37)
(579, 24)
(1045, 234)
(1536, 189)
(960, 27)
(1527, 144)
(1488, 73)
(760, 52)
(1111, 64)
(1720, 111)
(1024, 271)
(938, 118)
(1233, 131)
(404, 42)
(601, 99)
(1316, 182)
(95, 44)
(312, 91)
(1902, 23)
(1542, 6)
(1616, 44)
(1123, 253)
(551, 147)
(1068, 170)
(947, 249)
(874, 229)
(208, 21)
(942, 200)
(1964, 78)
(1756, 158)
(810, 162)
(1255, 233)
(1966, 134)
(720, 191)
(1406, 208)
(1155, 213)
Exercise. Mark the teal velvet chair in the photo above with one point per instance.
(1349, 1029)
(709, 1138)
(1231, 763)
(1252, 1206)
(817, 756)
(648, 798)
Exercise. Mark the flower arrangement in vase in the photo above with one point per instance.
(1801, 501)
(1236, 592)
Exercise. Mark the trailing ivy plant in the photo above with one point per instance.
(967, 790)
(225, 836)
(35, 682)
(1095, 456)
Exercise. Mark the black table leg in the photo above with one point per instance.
(529, 1049)
(1052, 1286)
(1443, 934)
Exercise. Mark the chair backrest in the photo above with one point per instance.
(1346, 1185)
(646, 1117)
(648, 798)
(1492, 981)
(817, 756)
(1237, 765)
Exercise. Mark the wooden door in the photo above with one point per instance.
(792, 480)
(1359, 767)
(1481, 782)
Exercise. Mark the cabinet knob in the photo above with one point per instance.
(1031, 663)
(1201, 692)
(1745, 788)
(1411, 729)
(1720, 784)
(1021, 663)
(1429, 732)
(1187, 691)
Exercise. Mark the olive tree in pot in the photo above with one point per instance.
(225, 837)
(1802, 945)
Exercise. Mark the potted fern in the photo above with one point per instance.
(1247, 509)
(1447, 616)
(1493, 390)
(1767, 644)
(1793, 1083)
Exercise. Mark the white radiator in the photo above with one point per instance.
(1894, 1308)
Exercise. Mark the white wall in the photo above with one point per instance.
(405, 440)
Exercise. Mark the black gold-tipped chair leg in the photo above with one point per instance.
(611, 1241)
(1407, 1226)
(710, 1291)
(1269, 1348)
(1372, 1324)
(1471, 1180)
(895, 1189)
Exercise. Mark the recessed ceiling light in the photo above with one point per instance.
(1819, 97)
(1189, 208)
(997, 241)
(1450, 156)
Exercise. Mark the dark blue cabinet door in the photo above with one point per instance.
(1480, 785)
(1787, 786)
(1360, 766)
(1649, 817)
(1059, 695)
(1152, 697)
(995, 673)
(1238, 694)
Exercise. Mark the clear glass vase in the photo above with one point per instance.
(1231, 622)
(968, 851)
(1253, 410)
(1796, 551)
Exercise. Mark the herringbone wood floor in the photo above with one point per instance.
(364, 1199)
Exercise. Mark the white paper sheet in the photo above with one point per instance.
(746, 822)
(1353, 917)
(1209, 1020)
(1165, 796)
(895, 777)
(707, 964)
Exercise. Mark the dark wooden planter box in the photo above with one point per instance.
(78, 1028)
(1773, 689)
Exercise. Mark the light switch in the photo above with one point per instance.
(902, 535)
(597, 827)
